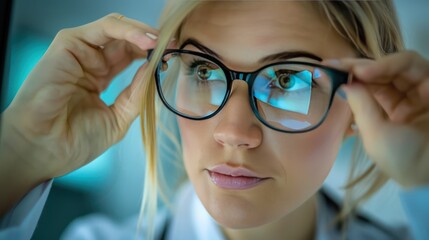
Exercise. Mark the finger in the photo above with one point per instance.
(422, 92)
(398, 106)
(347, 65)
(102, 65)
(406, 64)
(371, 71)
(91, 60)
(387, 96)
(115, 51)
(409, 65)
(114, 71)
(118, 52)
(368, 115)
(127, 106)
(119, 55)
(388, 90)
(116, 27)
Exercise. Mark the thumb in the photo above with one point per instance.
(369, 116)
(127, 106)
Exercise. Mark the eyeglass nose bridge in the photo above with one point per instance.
(241, 76)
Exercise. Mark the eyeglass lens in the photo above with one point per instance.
(290, 97)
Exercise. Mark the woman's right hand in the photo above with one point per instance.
(57, 121)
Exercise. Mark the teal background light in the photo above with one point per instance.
(26, 50)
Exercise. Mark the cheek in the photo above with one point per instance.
(305, 160)
(195, 142)
(188, 139)
(310, 161)
(312, 154)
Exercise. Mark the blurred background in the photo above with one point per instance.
(112, 184)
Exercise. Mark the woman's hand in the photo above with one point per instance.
(390, 102)
(57, 122)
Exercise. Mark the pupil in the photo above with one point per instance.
(203, 72)
(285, 81)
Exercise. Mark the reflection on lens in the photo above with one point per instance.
(292, 96)
(288, 90)
(295, 124)
(283, 120)
(192, 85)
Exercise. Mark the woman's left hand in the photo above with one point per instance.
(389, 98)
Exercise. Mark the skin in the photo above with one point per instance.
(57, 122)
(237, 138)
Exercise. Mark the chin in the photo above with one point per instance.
(238, 220)
(238, 213)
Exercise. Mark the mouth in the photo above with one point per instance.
(234, 178)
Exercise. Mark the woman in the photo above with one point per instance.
(256, 151)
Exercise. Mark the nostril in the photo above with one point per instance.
(236, 140)
(244, 145)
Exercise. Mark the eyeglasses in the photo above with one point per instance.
(289, 96)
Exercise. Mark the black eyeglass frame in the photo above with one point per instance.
(337, 78)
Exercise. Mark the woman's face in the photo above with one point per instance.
(293, 166)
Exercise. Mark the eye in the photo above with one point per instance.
(285, 81)
(204, 72)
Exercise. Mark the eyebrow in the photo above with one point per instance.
(270, 58)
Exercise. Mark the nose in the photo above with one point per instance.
(238, 127)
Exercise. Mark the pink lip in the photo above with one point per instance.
(233, 171)
(236, 178)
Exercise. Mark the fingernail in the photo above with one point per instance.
(151, 36)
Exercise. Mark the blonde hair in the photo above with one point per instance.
(369, 26)
(372, 28)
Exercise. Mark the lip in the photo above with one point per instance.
(234, 178)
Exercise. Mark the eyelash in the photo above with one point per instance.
(195, 63)
(314, 84)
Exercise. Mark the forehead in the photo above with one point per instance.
(227, 14)
(244, 31)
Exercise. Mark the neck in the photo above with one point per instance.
(299, 224)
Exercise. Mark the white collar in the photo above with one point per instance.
(191, 220)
